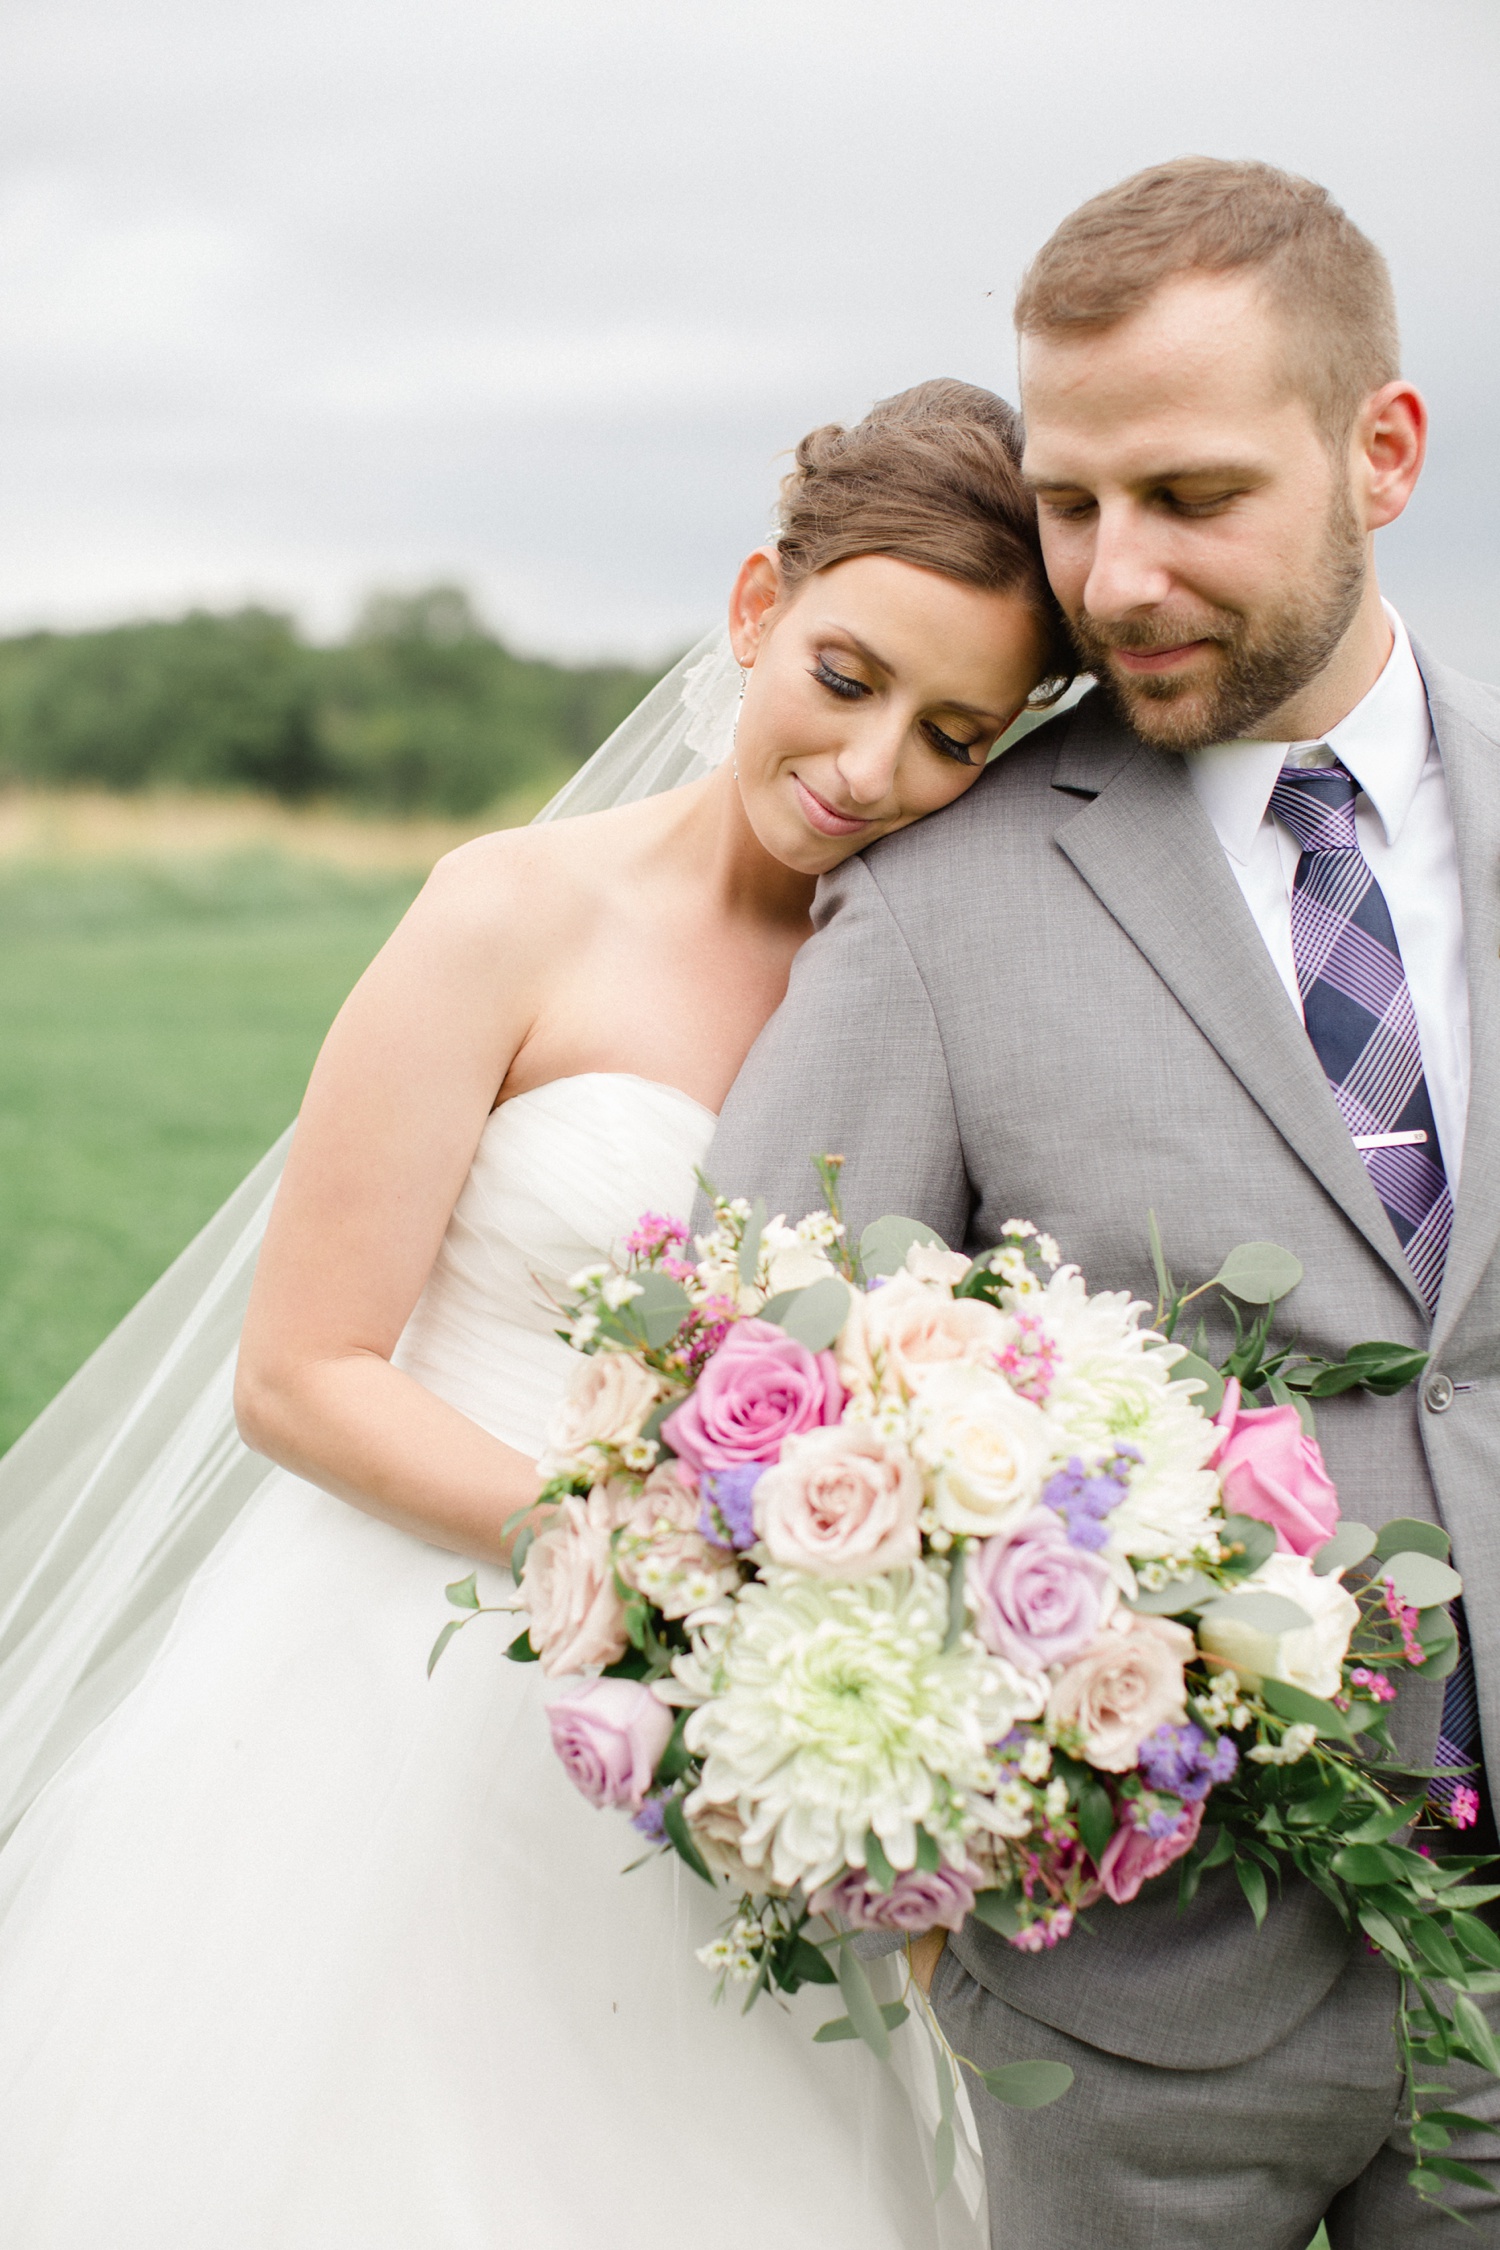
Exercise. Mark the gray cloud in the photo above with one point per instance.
(298, 298)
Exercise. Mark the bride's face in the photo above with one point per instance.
(875, 691)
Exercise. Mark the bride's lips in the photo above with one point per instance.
(822, 816)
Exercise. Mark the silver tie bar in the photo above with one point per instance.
(1389, 1140)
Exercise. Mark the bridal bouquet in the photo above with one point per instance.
(890, 1587)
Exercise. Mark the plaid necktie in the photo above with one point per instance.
(1364, 1031)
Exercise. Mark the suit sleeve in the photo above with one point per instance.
(851, 1064)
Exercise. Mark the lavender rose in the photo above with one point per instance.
(1133, 1855)
(1039, 1599)
(915, 1901)
(1123, 1686)
(609, 1735)
(1269, 1467)
(840, 1504)
(760, 1388)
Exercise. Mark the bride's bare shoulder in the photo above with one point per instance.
(518, 885)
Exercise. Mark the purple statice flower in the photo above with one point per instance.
(1186, 1761)
(1085, 1497)
(651, 1820)
(726, 1514)
(1162, 1821)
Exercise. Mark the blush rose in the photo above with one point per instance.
(760, 1388)
(906, 1328)
(609, 1735)
(1132, 1857)
(576, 1618)
(606, 1403)
(840, 1504)
(1123, 1686)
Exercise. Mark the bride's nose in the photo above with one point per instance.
(867, 764)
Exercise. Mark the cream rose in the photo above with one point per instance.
(1124, 1686)
(718, 1832)
(576, 1618)
(841, 1504)
(930, 1262)
(898, 1334)
(604, 1406)
(1307, 1656)
(986, 1451)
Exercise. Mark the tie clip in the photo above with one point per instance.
(1389, 1140)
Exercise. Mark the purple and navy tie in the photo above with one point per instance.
(1361, 1022)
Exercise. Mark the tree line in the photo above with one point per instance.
(421, 709)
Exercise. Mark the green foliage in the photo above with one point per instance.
(421, 709)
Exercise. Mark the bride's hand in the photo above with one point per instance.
(924, 1953)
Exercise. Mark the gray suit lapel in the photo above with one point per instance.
(1146, 849)
(1467, 723)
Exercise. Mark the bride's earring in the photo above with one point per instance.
(735, 729)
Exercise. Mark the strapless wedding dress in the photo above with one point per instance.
(303, 1951)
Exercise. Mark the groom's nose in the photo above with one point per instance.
(1126, 568)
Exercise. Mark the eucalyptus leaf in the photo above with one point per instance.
(1260, 1609)
(877, 1866)
(679, 1835)
(454, 1625)
(1408, 1535)
(464, 1592)
(997, 1911)
(1190, 1368)
(958, 1609)
(520, 1650)
(868, 2021)
(1027, 2085)
(1296, 1704)
(1176, 1597)
(1422, 1580)
(817, 1314)
(944, 2155)
(750, 1240)
(1255, 1540)
(1259, 1273)
(885, 1242)
(929, 1858)
(829, 2034)
(1349, 1545)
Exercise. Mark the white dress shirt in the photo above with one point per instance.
(1405, 829)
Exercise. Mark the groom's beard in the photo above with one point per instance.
(1262, 660)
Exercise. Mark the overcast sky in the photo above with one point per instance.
(302, 297)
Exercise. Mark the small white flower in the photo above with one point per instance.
(584, 1329)
(587, 1276)
(1021, 1230)
(1240, 1717)
(618, 1290)
(1014, 1810)
(1293, 1746)
(1035, 1760)
(640, 1454)
(1056, 1799)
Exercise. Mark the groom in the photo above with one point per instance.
(1220, 942)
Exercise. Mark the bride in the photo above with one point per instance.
(299, 1950)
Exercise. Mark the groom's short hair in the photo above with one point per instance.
(1203, 214)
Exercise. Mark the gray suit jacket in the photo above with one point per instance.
(1051, 1002)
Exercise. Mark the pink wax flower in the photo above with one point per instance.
(1040, 1599)
(760, 1388)
(609, 1735)
(915, 1901)
(1270, 1468)
(1132, 1855)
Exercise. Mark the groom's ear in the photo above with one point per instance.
(756, 593)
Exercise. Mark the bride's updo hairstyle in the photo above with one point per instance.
(932, 477)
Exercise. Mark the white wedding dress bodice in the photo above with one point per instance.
(303, 1951)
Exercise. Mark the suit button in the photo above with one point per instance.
(1438, 1394)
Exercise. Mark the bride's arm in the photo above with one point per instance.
(394, 1110)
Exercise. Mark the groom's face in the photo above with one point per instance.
(1199, 532)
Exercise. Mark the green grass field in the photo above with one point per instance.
(157, 1024)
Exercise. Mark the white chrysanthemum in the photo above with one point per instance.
(834, 1708)
(1113, 1386)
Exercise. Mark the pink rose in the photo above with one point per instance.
(760, 1388)
(662, 1552)
(576, 1618)
(1269, 1467)
(609, 1735)
(1132, 1856)
(1126, 1684)
(840, 1504)
(1040, 1599)
(915, 1901)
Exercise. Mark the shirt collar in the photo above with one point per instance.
(1384, 741)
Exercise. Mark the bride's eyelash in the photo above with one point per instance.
(839, 682)
(948, 746)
